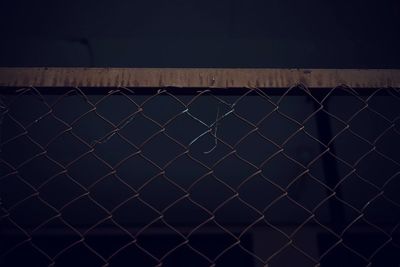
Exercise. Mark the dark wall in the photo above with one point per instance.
(206, 33)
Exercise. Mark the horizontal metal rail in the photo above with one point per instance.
(198, 78)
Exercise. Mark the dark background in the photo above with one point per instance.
(206, 33)
(189, 33)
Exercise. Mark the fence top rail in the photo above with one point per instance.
(198, 77)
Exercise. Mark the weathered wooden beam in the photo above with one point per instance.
(200, 77)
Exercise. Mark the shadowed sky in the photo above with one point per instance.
(190, 33)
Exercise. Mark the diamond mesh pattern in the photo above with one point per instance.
(182, 177)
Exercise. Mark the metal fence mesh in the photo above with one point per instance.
(184, 177)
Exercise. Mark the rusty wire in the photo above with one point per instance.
(22, 234)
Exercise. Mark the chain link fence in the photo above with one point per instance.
(200, 177)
